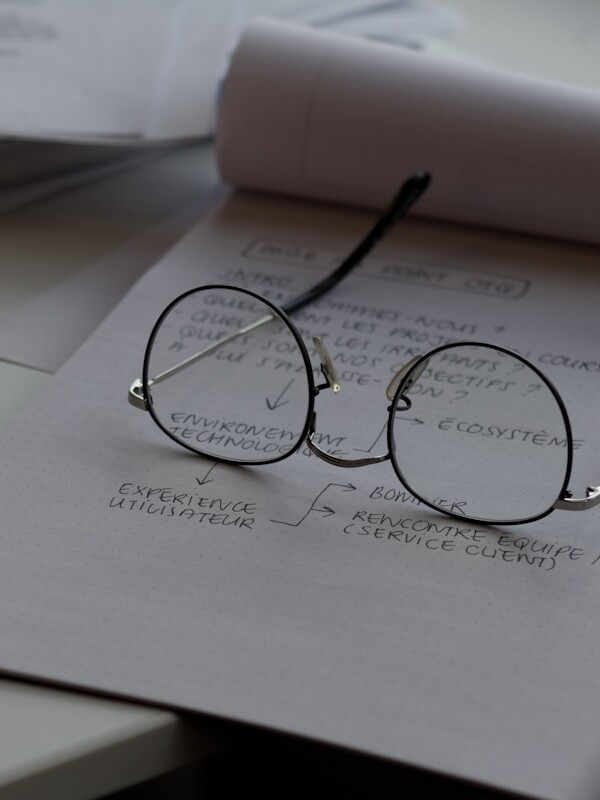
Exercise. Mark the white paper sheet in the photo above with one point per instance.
(312, 114)
(285, 595)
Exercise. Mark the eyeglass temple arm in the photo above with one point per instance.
(409, 193)
(136, 390)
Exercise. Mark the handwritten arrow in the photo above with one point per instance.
(206, 479)
(368, 450)
(272, 405)
(326, 511)
(412, 420)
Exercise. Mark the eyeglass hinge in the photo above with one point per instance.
(327, 368)
(136, 395)
(569, 503)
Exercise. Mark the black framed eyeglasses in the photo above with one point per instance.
(504, 459)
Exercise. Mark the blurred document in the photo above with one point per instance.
(112, 70)
(408, 22)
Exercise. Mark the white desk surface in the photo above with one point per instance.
(55, 743)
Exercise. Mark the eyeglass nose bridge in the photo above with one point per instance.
(398, 378)
(332, 382)
(336, 461)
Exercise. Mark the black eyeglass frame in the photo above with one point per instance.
(400, 397)
(405, 385)
(146, 383)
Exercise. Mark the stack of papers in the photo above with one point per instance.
(304, 598)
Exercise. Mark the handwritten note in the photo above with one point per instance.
(322, 601)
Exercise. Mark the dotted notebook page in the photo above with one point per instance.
(326, 602)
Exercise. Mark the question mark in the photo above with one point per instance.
(459, 394)
(533, 387)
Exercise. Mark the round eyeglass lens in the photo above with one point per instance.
(486, 436)
(226, 376)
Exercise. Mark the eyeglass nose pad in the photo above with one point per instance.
(327, 368)
(393, 385)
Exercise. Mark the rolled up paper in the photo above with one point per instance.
(329, 117)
